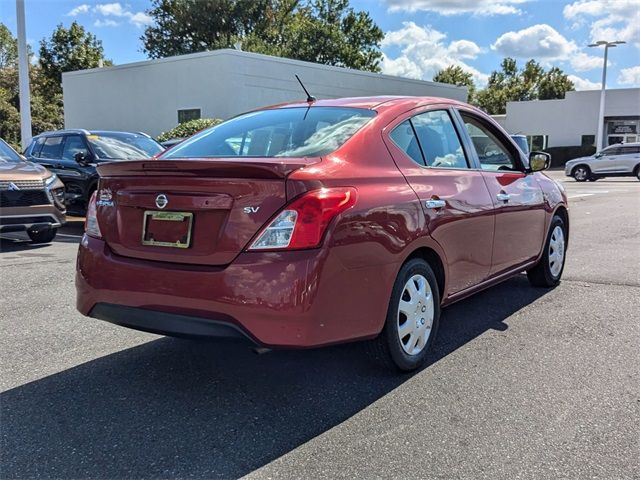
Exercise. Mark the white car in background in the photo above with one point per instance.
(620, 160)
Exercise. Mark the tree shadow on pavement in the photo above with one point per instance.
(175, 408)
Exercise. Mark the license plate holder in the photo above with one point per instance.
(176, 234)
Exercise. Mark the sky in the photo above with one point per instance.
(421, 36)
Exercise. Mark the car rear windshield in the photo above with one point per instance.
(282, 132)
(7, 154)
(123, 146)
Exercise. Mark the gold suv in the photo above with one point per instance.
(31, 197)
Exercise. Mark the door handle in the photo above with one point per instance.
(435, 203)
(503, 197)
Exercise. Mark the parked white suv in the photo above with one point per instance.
(620, 160)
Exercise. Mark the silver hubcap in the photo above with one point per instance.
(415, 315)
(556, 251)
(580, 174)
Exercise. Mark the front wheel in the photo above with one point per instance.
(412, 318)
(42, 236)
(548, 270)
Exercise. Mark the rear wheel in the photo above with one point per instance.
(412, 318)
(548, 270)
(42, 236)
(581, 173)
(637, 172)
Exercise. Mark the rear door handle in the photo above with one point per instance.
(503, 197)
(435, 203)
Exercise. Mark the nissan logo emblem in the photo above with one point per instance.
(161, 201)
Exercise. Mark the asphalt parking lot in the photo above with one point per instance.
(523, 382)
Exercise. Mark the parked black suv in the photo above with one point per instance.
(74, 154)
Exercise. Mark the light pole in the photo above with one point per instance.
(23, 77)
(607, 46)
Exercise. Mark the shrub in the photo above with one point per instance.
(561, 155)
(186, 129)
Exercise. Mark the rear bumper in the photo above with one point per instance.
(287, 300)
(165, 323)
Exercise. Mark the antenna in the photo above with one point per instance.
(310, 98)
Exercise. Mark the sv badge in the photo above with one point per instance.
(250, 210)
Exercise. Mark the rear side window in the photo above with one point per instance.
(36, 146)
(628, 150)
(282, 132)
(52, 148)
(439, 140)
(430, 139)
(405, 137)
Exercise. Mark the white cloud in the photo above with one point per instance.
(105, 23)
(458, 7)
(583, 83)
(538, 41)
(630, 76)
(424, 52)
(581, 62)
(114, 9)
(139, 19)
(611, 19)
(543, 43)
(84, 8)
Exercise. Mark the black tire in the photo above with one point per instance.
(581, 173)
(42, 236)
(387, 349)
(541, 275)
(637, 172)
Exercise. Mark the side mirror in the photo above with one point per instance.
(83, 158)
(539, 161)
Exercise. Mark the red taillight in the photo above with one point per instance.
(303, 222)
(91, 226)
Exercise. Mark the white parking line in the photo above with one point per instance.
(581, 195)
(70, 236)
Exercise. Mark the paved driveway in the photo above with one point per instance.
(523, 383)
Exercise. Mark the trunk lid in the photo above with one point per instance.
(209, 209)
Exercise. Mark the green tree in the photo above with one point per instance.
(323, 31)
(68, 50)
(455, 75)
(510, 84)
(554, 84)
(8, 48)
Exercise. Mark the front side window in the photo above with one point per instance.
(439, 140)
(281, 132)
(73, 144)
(492, 153)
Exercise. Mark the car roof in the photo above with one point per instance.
(617, 145)
(371, 103)
(83, 131)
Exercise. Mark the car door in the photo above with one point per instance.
(607, 161)
(629, 158)
(517, 197)
(427, 149)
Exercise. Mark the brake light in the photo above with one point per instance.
(302, 223)
(91, 226)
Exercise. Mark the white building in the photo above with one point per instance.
(154, 96)
(573, 121)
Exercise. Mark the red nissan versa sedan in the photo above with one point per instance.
(316, 223)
